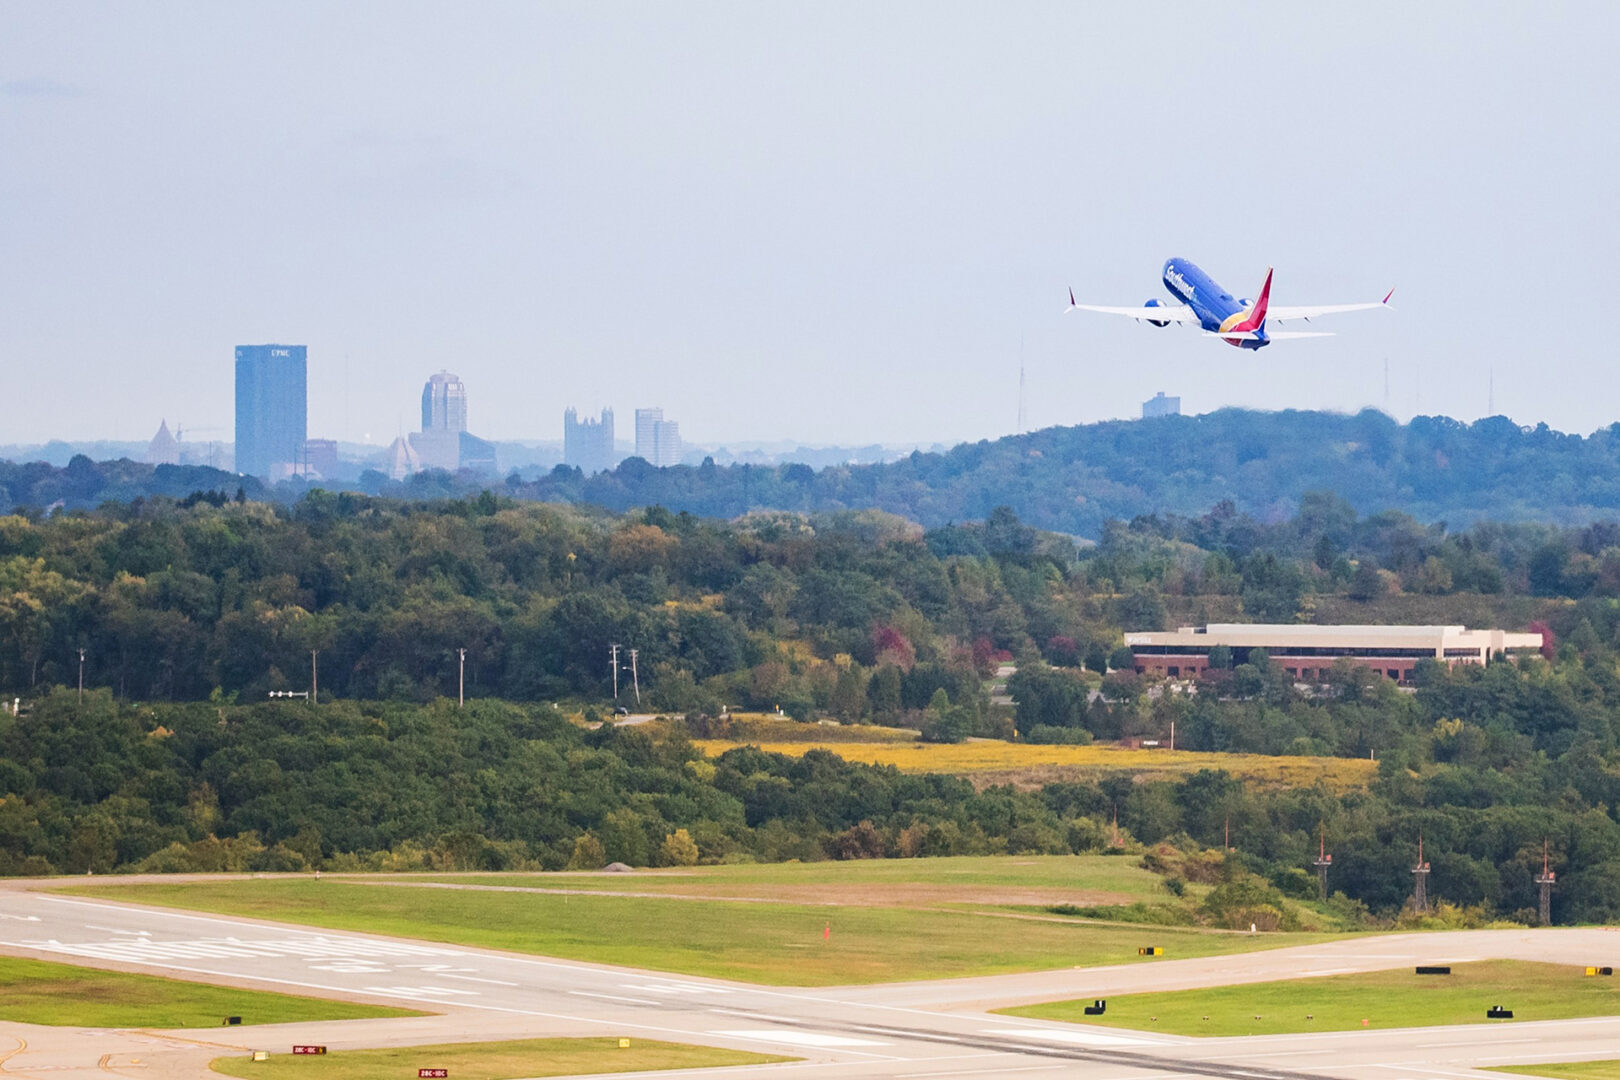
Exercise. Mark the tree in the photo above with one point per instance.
(588, 853)
(678, 849)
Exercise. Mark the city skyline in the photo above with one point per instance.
(766, 215)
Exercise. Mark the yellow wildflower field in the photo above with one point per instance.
(987, 762)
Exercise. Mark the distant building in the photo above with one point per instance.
(1308, 653)
(320, 458)
(658, 441)
(401, 460)
(444, 442)
(588, 444)
(271, 409)
(1159, 405)
(444, 403)
(164, 449)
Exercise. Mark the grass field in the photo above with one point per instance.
(492, 1060)
(1385, 999)
(1022, 763)
(36, 992)
(776, 943)
(1566, 1070)
(978, 881)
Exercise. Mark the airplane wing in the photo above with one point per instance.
(1176, 313)
(1278, 313)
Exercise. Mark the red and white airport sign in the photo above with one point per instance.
(432, 1072)
(309, 1049)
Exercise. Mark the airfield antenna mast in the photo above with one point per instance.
(1323, 861)
(1420, 879)
(461, 678)
(1545, 879)
(1021, 424)
(613, 651)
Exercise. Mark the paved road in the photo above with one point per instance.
(914, 1031)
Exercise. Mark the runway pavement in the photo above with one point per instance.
(912, 1031)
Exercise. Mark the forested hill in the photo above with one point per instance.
(1073, 479)
(1068, 479)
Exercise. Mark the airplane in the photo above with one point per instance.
(1243, 323)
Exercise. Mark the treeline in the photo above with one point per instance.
(103, 787)
(1066, 479)
(856, 616)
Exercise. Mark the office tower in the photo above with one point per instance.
(658, 441)
(444, 403)
(320, 459)
(588, 444)
(271, 409)
(666, 443)
(164, 449)
(1159, 405)
(444, 421)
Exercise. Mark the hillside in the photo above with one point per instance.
(1067, 479)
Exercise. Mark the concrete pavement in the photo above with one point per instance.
(921, 1030)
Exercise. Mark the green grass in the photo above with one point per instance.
(1386, 999)
(36, 992)
(1120, 875)
(774, 943)
(492, 1060)
(1567, 1070)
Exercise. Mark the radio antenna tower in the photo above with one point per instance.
(1020, 384)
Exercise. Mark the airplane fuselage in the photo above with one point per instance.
(1218, 311)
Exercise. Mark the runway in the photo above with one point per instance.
(908, 1031)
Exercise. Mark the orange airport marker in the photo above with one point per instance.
(826, 933)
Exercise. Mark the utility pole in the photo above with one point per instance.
(1545, 880)
(81, 676)
(1226, 834)
(1420, 880)
(314, 677)
(1323, 861)
(613, 651)
(635, 678)
(461, 678)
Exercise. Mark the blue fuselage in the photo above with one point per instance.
(1214, 306)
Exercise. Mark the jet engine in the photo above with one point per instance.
(1157, 322)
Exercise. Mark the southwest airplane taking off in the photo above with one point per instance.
(1243, 323)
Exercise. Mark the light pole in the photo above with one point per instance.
(81, 676)
(461, 684)
(636, 679)
(613, 653)
(314, 677)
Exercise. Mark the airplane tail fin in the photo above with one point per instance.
(1257, 314)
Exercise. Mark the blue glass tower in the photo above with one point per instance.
(271, 409)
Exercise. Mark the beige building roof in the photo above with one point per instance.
(1279, 637)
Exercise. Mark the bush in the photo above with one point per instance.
(1047, 735)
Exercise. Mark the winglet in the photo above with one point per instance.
(1072, 304)
(1385, 300)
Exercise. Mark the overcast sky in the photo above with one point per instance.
(816, 221)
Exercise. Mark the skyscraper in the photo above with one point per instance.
(658, 441)
(444, 420)
(588, 444)
(444, 403)
(271, 409)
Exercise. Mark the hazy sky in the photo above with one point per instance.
(817, 221)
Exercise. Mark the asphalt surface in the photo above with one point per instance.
(911, 1031)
